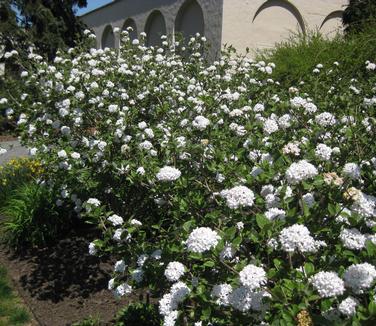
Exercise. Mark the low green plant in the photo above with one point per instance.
(30, 216)
(11, 313)
(138, 314)
(297, 57)
(90, 321)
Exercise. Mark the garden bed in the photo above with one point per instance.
(62, 284)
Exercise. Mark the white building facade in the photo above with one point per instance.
(242, 23)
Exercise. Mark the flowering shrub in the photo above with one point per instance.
(233, 199)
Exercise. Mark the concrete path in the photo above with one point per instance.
(14, 150)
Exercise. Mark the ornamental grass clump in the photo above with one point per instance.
(233, 199)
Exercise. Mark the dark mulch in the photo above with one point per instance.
(63, 284)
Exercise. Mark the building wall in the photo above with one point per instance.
(118, 12)
(241, 23)
(259, 24)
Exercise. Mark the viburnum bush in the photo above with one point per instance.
(231, 198)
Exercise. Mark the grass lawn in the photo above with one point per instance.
(11, 311)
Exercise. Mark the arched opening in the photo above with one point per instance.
(190, 20)
(131, 23)
(274, 21)
(108, 38)
(155, 27)
(332, 24)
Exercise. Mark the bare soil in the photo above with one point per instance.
(63, 284)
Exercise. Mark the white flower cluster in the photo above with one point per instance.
(352, 239)
(298, 238)
(202, 239)
(327, 284)
(168, 304)
(116, 220)
(360, 277)
(300, 171)
(174, 271)
(200, 122)
(323, 152)
(168, 173)
(237, 197)
(348, 306)
(352, 170)
(252, 277)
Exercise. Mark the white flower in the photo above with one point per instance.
(327, 284)
(352, 170)
(202, 239)
(200, 122)
(2, 151)
(352, 239)
(297, 237)
(243, 299)
(270, 126)
(365, 205)
(348, 306)
(252, 277)
(275, 213)
(75, 155)
(120, 266)
(174, 271)
(300, 171)
(168, 173)
(111, 284)
(135, 222)
(323, 152)
(92, 249)
(137, 275)
(308, 199)
(62, 154)
(221, 293)
(117, 235)
(239, 196)
(94, 201)
(360, 277)
(122, 290)
(291, 148)
(326, 119)
(115, 220)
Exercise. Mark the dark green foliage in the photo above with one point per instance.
(30, 216)
(296, 58)
(136, 314)
(51, 24)
(359, 14)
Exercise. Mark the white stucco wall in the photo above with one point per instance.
(241, 23)
(261, 23)
(117, 12)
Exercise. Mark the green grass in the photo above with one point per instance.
(30, 216)
(11, 311)
(297, 57)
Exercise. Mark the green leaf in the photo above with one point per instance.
(187, 225)
(261, 221)
(372, 308)
(309, 268)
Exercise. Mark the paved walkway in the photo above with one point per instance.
(14, 150)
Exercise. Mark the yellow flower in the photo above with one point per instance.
(352, 193)
(304, 319)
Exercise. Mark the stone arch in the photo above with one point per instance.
(108, 38)
(332, 23)
(279, 19)
(131, 23)
(190, 19)
(155, 27)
